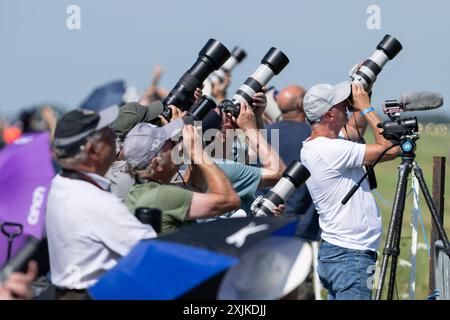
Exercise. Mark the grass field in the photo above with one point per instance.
(432, 143)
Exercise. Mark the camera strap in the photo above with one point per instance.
(371, 177)
(76, 175)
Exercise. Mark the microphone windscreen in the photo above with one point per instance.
(423, 100)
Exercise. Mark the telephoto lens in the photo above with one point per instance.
(200, 110)
(272, 64)
(367, 73)
(212, 56)
(293, 177)
(237, 55)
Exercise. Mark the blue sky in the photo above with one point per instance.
(42, 61)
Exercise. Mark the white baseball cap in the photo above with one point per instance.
(322, 97)
(269, 271)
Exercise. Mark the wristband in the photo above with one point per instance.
(366, 111)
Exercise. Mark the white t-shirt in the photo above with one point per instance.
(335, 166)
(88, 230)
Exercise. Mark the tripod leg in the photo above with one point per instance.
(431, 207)
(392, 247)
(397, 238)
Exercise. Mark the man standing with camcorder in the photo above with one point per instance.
(351, 233)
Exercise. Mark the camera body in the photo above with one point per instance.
(272, 64)
(232, 107)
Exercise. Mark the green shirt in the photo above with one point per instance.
(173, 201)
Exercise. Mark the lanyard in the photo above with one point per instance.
(76, 175)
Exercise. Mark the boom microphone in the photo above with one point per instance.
(416, 101)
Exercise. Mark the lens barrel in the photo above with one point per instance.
(239, 54)
(272, 64)
(211, 57)
(205, 105)
(297, 173)
(390, 46)
(276, 60)
(293, 177)
(387, 49)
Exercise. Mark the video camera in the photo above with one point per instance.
(398, 128)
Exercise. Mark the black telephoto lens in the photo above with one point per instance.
(211, 57)
(205, 105)
(200, 110)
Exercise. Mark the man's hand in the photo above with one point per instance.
(361, 99)
(17, 286)
(176, 113)
(198, 94)
(259, 103)
(279, 211)
(246, 119)
(192, 144)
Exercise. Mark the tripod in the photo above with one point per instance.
(392, 247)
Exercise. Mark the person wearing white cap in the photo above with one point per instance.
(88, 228)
(148, 153)
(350, 233)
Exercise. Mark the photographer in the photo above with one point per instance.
(293, 130)
(246, 179)
(148, 153)
(350, 233)
(88, 228)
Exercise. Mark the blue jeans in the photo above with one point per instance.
(347, 274)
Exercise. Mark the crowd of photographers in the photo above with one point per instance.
(115, 160)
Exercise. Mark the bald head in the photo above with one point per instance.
(291, 99)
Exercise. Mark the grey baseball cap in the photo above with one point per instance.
(133, 113)
(145, 141)
(322, 97)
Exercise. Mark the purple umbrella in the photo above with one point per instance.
(26, 172)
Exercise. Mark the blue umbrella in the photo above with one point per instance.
(190, 262)
(105, 96)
